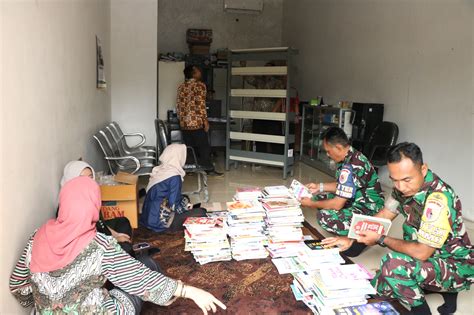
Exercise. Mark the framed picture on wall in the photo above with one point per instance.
(101, 83)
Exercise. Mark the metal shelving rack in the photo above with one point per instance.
(235, 155)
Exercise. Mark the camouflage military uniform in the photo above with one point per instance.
(358, 182)
(433, 217)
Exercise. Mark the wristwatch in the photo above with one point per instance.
(321, 187)
(380, 241)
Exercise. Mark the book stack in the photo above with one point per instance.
(245, 226)
(332, 287)
(247, 193)
(276, 192)
(309, 255)
(284, 220)
(206, 239)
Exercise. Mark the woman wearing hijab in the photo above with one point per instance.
(164, 207)
(119, 228)
(66, 263)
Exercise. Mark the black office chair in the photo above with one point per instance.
(192, 166)
(384, 136)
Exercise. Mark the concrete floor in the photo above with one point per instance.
(223, 189)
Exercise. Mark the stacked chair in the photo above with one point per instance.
(120, 156)
(192, 166)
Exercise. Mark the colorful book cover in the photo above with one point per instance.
(362, 222)
(299, 190)
(316, 245)
(377, 308)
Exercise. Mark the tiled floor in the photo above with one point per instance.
(222, 189)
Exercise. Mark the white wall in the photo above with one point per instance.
(50, 108)
(415, 56)
(134, 68)
(169, 78)
(250, 31)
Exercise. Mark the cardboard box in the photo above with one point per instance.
(120, 198)
(199, 49)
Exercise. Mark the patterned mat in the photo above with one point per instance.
(246, 287)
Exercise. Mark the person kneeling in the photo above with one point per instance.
(357, 189)
(165, 209)
(435, 253)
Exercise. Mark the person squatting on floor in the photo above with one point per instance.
(435, 254)
(356, 190)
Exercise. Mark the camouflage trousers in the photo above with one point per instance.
(405, 278)
(335, 221)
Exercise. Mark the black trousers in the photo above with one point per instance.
(268, 127)
(199, 140)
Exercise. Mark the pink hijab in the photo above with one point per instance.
(58, 242)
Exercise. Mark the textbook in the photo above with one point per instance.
(362, 222)
(299, 190)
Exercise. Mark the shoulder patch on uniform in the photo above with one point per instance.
(344, 175)
(435, 204)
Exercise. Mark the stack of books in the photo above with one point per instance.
(276, 192)
(247, 193)
(246, 229)
(284, 220)
(309, 255)
(332, 287)
(206, 239)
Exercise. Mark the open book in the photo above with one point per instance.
(362, 222)
(299, 190)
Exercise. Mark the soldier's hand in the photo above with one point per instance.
(306, 202)
(340, 241)
(369, 238)
(313, 188)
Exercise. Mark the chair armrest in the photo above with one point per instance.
(136, 134)
(134, 159)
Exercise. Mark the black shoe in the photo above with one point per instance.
(450, 303)
(214, 174)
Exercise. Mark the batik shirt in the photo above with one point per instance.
(358, 182)
(433, 216)
(191, 105)
(78, 287)
(265, 104)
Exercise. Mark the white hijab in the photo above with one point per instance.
(172, 161)
(73, 169)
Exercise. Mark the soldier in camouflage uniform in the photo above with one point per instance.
(357, 189)
(435, 253)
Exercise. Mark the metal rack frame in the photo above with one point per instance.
(236, 155)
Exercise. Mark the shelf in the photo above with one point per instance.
(260, 71)
(277, 93)
(258, 157)
(260, 137)
(259, 115)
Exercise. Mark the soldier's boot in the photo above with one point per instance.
(450, 303)
(422, 309)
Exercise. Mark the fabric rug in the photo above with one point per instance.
(245, 287)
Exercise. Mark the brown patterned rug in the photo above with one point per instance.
(246, 287)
